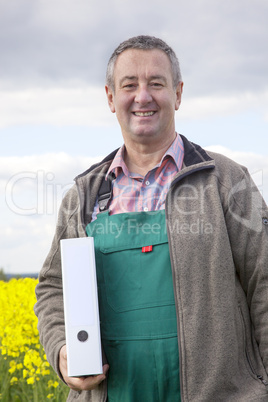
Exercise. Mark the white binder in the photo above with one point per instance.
(81, 311)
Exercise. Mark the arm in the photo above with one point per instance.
(49, 306)
(248, 232)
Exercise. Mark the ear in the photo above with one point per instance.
(178, 91)
(110, 98)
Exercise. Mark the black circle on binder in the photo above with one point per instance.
(82, 336)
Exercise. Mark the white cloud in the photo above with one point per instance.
(256, 164)
(215, 105)
(36, 184)
(55, 106)
(31, 190)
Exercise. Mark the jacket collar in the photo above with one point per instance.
(193, 153)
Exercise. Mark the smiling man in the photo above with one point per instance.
(180, 239)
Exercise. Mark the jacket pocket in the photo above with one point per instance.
(251, 367)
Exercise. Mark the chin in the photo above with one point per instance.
(145, 136)
(145, 132)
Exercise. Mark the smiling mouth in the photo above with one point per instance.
(144, 114)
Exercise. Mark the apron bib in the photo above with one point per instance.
(137, 308)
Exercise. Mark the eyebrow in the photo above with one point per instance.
(158, 77)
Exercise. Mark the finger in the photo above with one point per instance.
(105, 368)
(93, 381)
(87, 383)
(63, 352)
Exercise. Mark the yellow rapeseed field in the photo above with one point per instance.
(25, 374)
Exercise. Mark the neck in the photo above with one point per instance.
(142, 158)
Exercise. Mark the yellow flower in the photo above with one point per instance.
(20, 346)
(30, 380)
(13, 380)
(12, 366)
(52, 383)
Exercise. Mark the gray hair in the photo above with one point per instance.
(144, 42)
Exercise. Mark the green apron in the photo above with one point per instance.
(137, 308)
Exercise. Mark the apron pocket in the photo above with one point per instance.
(136, 280)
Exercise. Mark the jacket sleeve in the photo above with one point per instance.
(247, 223)
(49, 306)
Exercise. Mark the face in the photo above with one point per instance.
(144, 98)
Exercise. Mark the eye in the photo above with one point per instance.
(129, 86)
(156, 84)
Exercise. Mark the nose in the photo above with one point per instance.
(143, 96)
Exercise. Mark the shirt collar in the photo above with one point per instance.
(175, 151)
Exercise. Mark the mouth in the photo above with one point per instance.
(144, 114)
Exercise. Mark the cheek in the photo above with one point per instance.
(122, 104)
(168, 100)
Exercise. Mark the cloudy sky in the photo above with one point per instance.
(55, 121)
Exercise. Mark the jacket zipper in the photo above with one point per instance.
(175, 181)
(260, 377)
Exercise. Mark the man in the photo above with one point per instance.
(182, 264)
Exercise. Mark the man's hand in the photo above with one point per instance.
(79, 383)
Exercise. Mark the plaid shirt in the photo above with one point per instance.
(135, 193)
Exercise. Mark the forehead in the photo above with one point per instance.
(137, 63)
